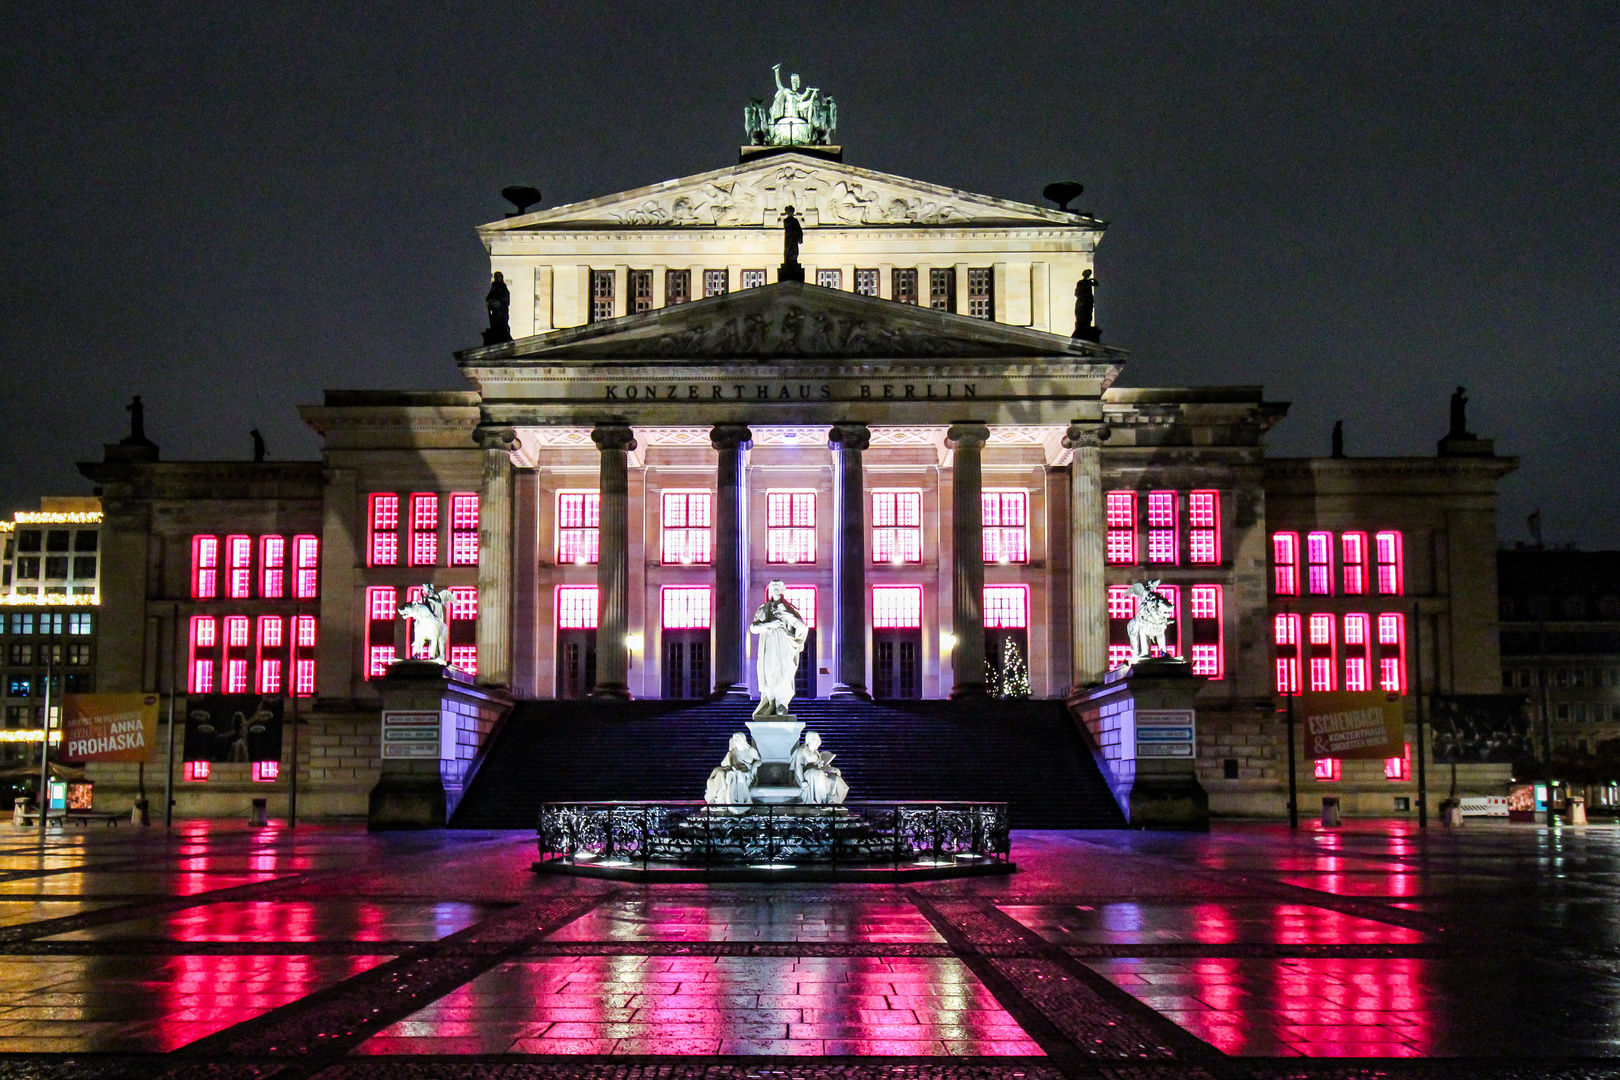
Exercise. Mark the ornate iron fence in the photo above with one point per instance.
(870, 834)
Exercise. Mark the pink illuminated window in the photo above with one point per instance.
(463, 528)
(1323, 663)
(1356, 640)
(897, 527)
(1353, 557)
(424, 529)
(1121, 604)
(463, 603)
(1399, 768)
(579, 519)
(1006, 607)
(196, 770)
(803, 598)
(790, 524)
(264, 772)
(272, 567)
(687, 526)
(1006, 526)
(1392, 652)
(236, 676)
(1119, 656)
(271, 659)
(897, 607)
(576, 607)
(378, 657)
(236, 631)
(383, 548)
(239, 579)
(381, 604)
(464, 658)
(1119, 546)
(204, 567)
(1173, 637)
(303, 635)
(1285, 563)
(382, 607)
(1161, 540)
(1285, 636)
(1204, 528)
(1208, 650)
(204, 654)
(1390, 574)
(1327, 768)
(1319, 555)
(307, 567)
(686, 607)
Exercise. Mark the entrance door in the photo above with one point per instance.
(576, 663)
(686, 664)
(897, 664)
(804, 680)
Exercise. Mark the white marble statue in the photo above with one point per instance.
(782, 632)
(1154, 615)
(819, 783)
(430, 625)
(731, 780)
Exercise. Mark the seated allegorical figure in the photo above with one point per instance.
(819, 783)
(730, 781)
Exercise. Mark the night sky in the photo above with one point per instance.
(227, 208)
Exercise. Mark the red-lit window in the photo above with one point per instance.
(1327, 768)
(1399, 768)
(579, 519)
(265, 772)
(1323, 662)
(1319, 555)
(236, 654)
(1122, 609)
(1006, 526)
(1353, 558)
(1357, 631)
(1204, 528)
(463, 528)
(1121, 604)
(1119, 656)
(204, 655)
(272, 654)
(424, 529)
(576, 607)
(383, 549)
(1392, 652)
(1285, 563)
(1120, 543)
(685, 607)
(897, 607)
(306, 567)
(382, 609)
(1208, 649)
(803, 599)
(303, 640)
(1161, 539)
(790, 524)
(196, 770)
(272, 567)
(1006, 607)
(239, 579)
(686, 527)
(463, 618)
(1285, 635)
(1390, 574)
(897, 527)
(204, 567)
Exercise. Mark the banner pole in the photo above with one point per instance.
(292, 784)
(1290, 691)
(45, 752)
(1417, 666)
(174, 692)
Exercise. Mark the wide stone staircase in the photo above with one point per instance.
(1028, 754)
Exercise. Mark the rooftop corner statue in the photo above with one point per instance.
(795, 117)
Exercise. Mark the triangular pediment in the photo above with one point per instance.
(792, 321)
(825, 194)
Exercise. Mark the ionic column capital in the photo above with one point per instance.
(850, 436)
(730, 436)
(613, 437)
(1088, 436)
(504, 439)
(967, 436)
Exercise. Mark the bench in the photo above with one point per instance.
(85, 817)
(23, 818)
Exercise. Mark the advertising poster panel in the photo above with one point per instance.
(233, 727)
(1354, 724)
(1493, 728)
(108, 727)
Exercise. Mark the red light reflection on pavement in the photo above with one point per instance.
(1214, 923)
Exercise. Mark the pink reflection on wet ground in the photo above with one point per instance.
(637, 918)
(714, 1005)
(1218, 923)
(296, 920)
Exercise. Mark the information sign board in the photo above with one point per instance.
(410, 735)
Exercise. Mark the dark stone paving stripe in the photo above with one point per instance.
(331, 1022)
(169, 947)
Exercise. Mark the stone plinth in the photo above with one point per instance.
(435, 720)
(775, 740)
(1143, 733)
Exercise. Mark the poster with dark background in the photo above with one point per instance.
(1480, 727)
(233, 727)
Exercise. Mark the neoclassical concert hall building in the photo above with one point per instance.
(953, 484)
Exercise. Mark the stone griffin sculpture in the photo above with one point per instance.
(430, 625)
(795, 116)
(1154, 614)
(782, 632)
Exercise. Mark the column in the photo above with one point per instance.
(730, 593)
(967, 558)
(495, 558)
(613, 567)
(1089, 597)
(849, 557)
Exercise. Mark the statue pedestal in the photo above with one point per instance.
(775, 740)
(784, 272)
(435, 723)
(1143, 733)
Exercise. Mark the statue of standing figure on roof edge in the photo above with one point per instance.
(498, 302)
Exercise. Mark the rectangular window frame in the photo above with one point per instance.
(903, 281)
(897, 515)
(204, 567)
(1319, 563)
(1204, 527)
(716, 283)
(639, 291)
(464, 520)
(677, 287)
(423, 549)
(790, 527)
(1388, 547)
(602, 295)
(897, 607)
(982, 292)
(680, 542)
(942, 288)
(1004, 525)
(382, 543)
(868, 281)
(686, 607)
(1119, 542)
(579, 519)
(1285, 563)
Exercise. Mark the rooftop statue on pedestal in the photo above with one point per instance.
(498, 303)
(795, 117)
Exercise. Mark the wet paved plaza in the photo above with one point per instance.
(1371, 950)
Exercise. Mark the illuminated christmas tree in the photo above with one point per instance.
(1014, 674)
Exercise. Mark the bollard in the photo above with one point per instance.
(260, 814)
(19, 812)
(1575, 809)
(140, 813)
(1451, 813)
(1330, 810)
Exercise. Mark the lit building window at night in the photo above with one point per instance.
(464, 528)
(383, 550)
(1005, 526)
(579, 518)
(424, 547)
(1120, 542)
(686, 527)
(790, 523)
(897, 527)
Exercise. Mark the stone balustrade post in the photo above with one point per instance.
(730, 593)
(967, 558)
(849, 557)
(613, 566)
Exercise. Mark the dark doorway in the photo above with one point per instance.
(804, 680)
(576, 663)
(686, 664)
(897, 664)
(1006, 653)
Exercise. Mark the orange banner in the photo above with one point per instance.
(1354, 724)
(108, 727)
